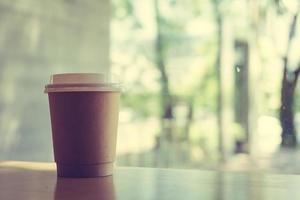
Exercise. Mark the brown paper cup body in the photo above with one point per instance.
(84, 130)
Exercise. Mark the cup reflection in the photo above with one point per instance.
(85, 188)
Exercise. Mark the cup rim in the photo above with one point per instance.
(87, 87)
(80, 82)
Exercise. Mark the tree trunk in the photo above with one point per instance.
(288, 86)
(219, 102)
(289, 82)
(166, 101)
(164, 139)
(189, 119)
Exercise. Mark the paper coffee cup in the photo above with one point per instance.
(84, 119)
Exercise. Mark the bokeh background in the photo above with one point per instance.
(208, 84)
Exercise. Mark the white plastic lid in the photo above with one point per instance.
(80, 82)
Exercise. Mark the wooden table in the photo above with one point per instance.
(38, 181)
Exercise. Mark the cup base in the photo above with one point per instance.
(84, 171)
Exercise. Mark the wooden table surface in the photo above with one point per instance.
(38, 181)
